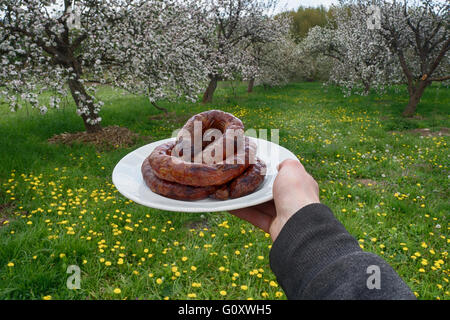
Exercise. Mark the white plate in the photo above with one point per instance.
(128, 180)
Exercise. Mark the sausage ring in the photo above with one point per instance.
(171, 189)
(174, 169)
(212, 130)
(246, 183)
(210, 157)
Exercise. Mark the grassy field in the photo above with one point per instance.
(386, 182)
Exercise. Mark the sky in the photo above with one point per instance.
(294, 4)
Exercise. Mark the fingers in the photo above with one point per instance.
(255, 217)
(293, 189)
(289, 163)
(267, 208)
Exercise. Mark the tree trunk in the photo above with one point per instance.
(208, 95)
(415, 93)
(366, 87)
(251, 83)
(79, 94)
(160, 108)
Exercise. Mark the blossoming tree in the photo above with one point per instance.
(58, 45)
(236, 23)
(268, 56)
(273, 63)
(48, 45)
(378, 42)
(161, 50)
(417, 33)
(361, 59)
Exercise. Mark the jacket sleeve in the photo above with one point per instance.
(314, 257)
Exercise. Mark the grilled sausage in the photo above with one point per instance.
(171, 168)
(244, 184)
(222, 164)
(171, 189)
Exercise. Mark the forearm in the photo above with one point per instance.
(314, 257)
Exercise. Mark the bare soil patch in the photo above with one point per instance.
(109, 138)
(5, 212)
(197, 224)
(426, 132)
(367, 182)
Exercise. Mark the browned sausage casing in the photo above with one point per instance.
(168, 172)
(174, 169)
(171, 189)
(231, 129)
(244, 184)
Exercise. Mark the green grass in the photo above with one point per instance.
(388, 186)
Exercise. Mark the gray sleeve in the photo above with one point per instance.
(314, 257)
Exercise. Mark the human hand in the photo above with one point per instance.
(293, 189)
